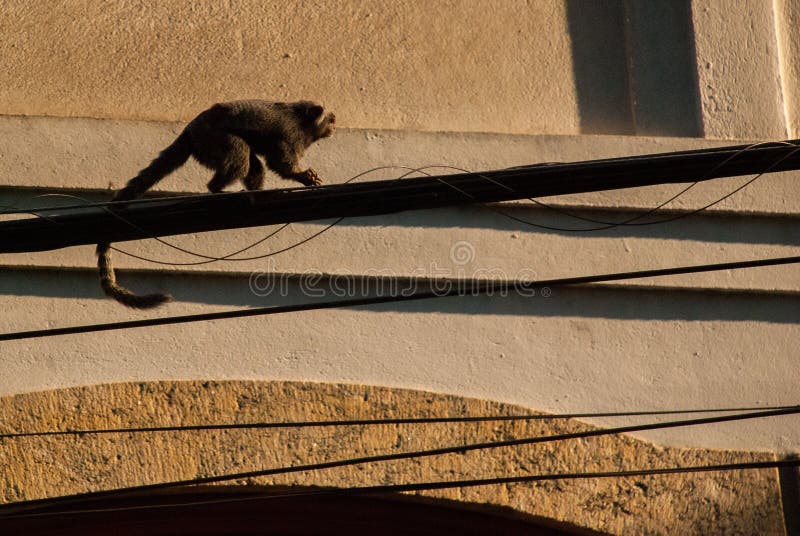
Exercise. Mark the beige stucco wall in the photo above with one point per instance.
(92, 91)
(466, 66)
(788, 29)
(739, 69)
(556, 67)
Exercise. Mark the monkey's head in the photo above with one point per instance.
(314, 119)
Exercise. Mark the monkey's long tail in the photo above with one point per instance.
(168, 161)
(108, 281)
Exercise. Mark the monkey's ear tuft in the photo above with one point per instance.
(314, 111)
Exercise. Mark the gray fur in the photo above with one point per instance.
(228, 138)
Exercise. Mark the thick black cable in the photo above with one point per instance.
(457, 288)
(605, 225)
(629, 222)
(457, 449)
(245, 209)
(729, 151)
(424, 486)
(208, 259)
(377, 422)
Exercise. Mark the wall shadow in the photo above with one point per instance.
(600, 66)
(621, 303)
(702, 227)
(634, 66)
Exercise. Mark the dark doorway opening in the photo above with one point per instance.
(252, 510)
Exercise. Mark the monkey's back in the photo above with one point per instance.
(254, 116)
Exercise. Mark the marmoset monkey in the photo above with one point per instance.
(227, 138)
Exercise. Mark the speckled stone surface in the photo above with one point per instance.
(737, 502)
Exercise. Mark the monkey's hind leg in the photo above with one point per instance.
(255, 177)
(226, 154)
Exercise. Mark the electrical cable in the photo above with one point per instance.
(421, 486)
(605, 225)
(208, 258)
(738, 150)
(456, 288)
(629, 222)
(457, 449)
(376, 422)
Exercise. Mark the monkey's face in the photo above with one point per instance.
(315, 120)
(326, 125)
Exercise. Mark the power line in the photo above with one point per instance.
(377, 422)
(426, 486)
(231, 257)
(397, 488)
(412, 454)
(455, 288)
(632, 221)
(207, 259)
(717, 156)
(168, 216)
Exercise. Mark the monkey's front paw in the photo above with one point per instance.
(309, 178)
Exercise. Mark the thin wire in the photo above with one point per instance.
(101, 204)
(161, 198)
(441, 451)
(629, 222)
(284, 226)
(423, 486)
(606, 225)
(209, 258)
(456, 288)
(377, 422)
(105, 207)
(227, 257)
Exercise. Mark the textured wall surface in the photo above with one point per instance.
(739, 69)
(788, 26)
(469, 66)
(36, 467)
(91, 91)
(459, 65)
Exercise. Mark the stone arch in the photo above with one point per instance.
(56, 465)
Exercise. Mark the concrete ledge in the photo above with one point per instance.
(79, 153)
